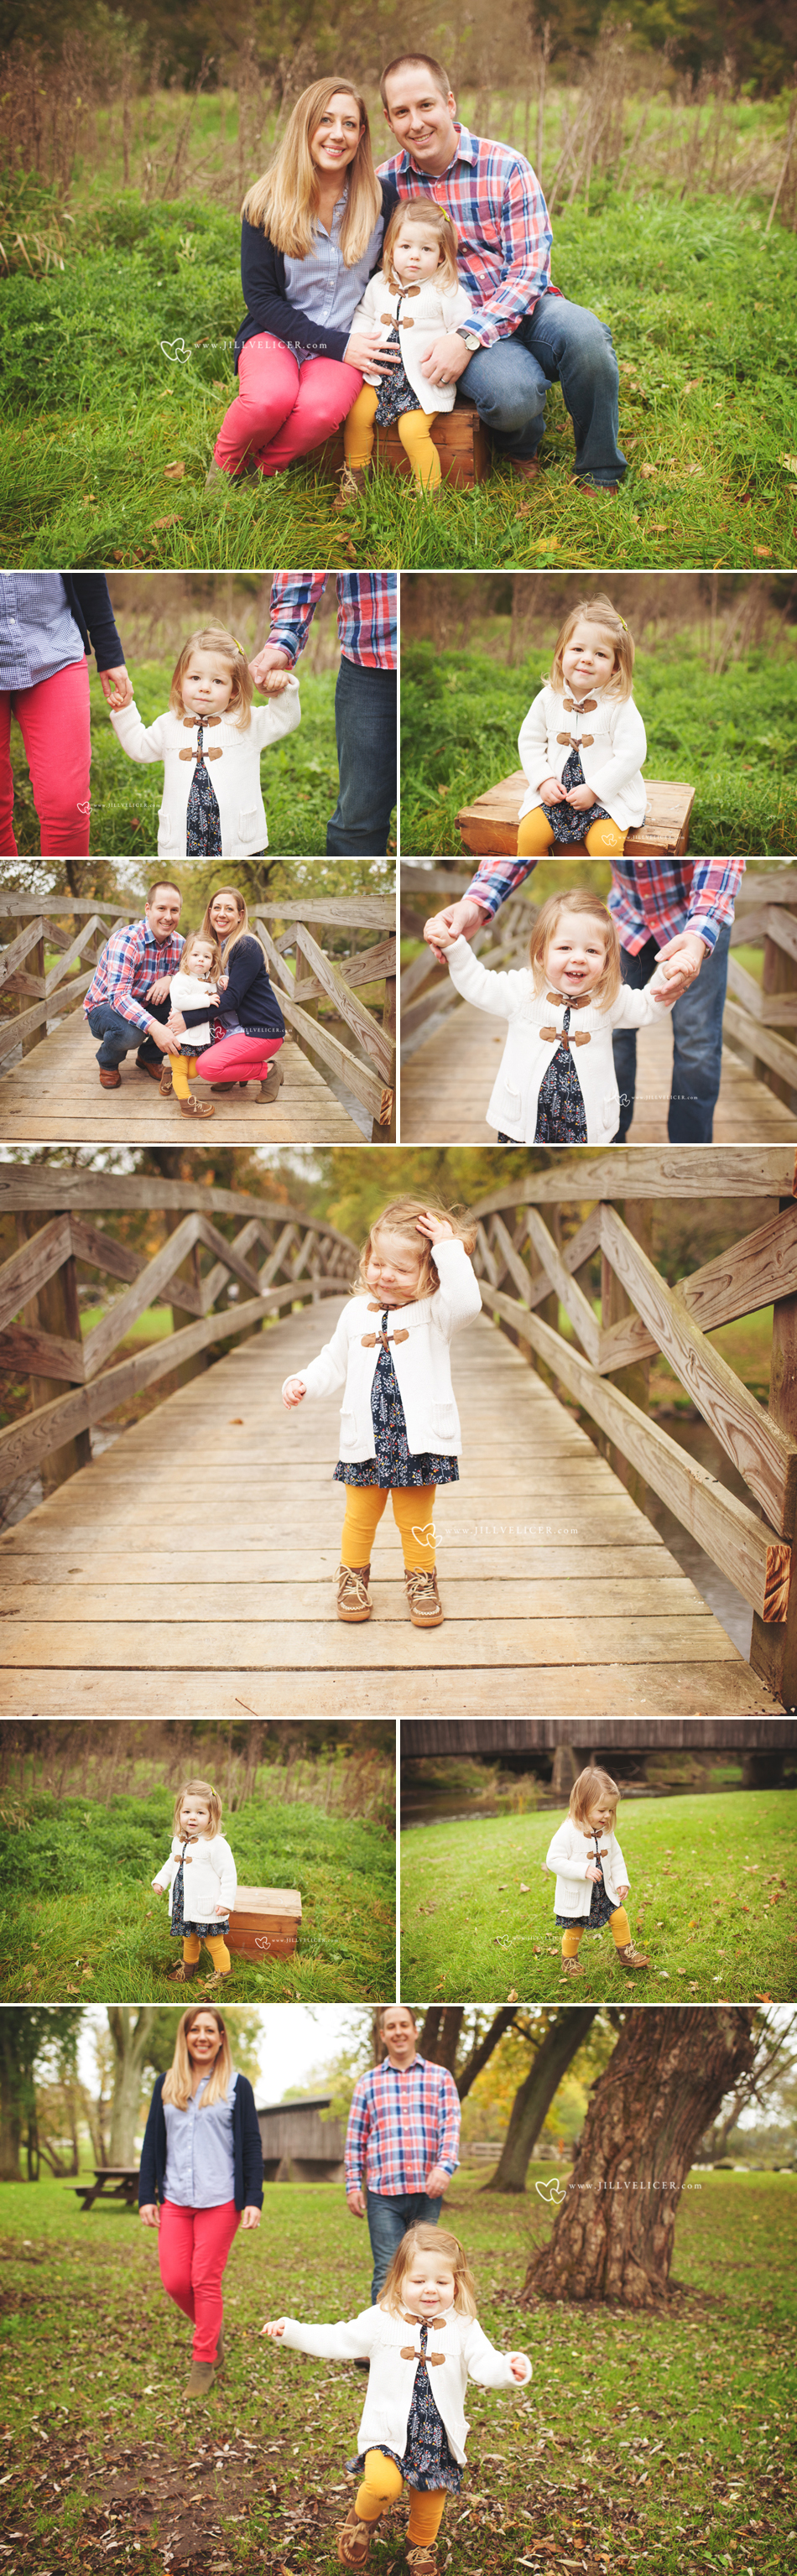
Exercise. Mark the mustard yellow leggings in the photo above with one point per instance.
(412, 1513)
(619, 1926)
(413, 429)
(536, 835)
(382, 2485)
(215, 1943)
(182, 1066)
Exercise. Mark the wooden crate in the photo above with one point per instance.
(460, 437)
(266, 1922)
(489, 826)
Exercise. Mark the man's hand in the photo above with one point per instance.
(117, 687)
(457, 922)
(293, 1391)
(271, 657)
(250, 2216)
(356, 2202)
(367, 350)
(149, 2214)
(436, 2182)
(682, 959)
(582, 798)
(446, 360)
(163, 1038)
(551, 792)
(159, 991)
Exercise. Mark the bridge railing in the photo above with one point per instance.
(426, 988)
(760, 1018)
(274, 1261)
(531, 1269)
(77, 931)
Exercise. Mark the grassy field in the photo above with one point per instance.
(733, 737)
(118, 372)
(711, 1906)
(655, 2440)
(78, 1914)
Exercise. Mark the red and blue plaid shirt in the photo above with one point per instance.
(128, 964)
(403, 2120)
(649, 899)
(367, 623)
(499, 210)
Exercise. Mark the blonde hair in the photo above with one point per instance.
(422, 210)
(402, 1218)
(598, 612)
(246, 928)
(592, 1789)
(546, 925)
(284, 203)
(178, 2082)
(192, 940)
(216, 639)
(198, 1788)
(430, 2240)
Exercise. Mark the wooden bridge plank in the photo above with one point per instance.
(324, 1647)
(55, 1096)
(446, 1084)
(610, 1690)
(179, 1598)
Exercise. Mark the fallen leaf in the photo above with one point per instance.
(174, 472)
(790, 463)
(761, 1999)
(648, 470)
(351, 552)
(692, 386)
(762, 550)
(512, 1995)
(171, 522)
(523, 1887)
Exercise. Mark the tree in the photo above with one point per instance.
(27, 2036)
(131, 2032)
(552, 2054)
(667, 2077)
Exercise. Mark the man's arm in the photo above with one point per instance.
(447, 2157)
(494, 881)
(354, 2153)
(525, 272)
(294, 600)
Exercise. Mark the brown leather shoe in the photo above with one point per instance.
(182, 1974)
(572, 1968)
(192, 1108)
(596, 491)
(110, 1077)
(201, 2379)
(144, 1066)
(354, 1599)
(630, 1958)
(354, 2541)
(270, 1089)
(352, 482)
(426, 1609)
(528, 467)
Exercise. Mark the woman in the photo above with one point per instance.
(250, 1024)
(201, 2178)
(47, 622)
(311, 237)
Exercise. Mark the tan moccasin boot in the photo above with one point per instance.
(631, 1958)
(426, 1609)
(354, 1600)
(354, 2541)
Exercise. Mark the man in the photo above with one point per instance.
(525, 334)
(135, 968)
(366, 708)
(403, 2136)
(678, 909)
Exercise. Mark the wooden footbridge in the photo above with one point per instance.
(447, 1076)
(190, 1565)
(50, 1090)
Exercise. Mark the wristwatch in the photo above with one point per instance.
(471, 338)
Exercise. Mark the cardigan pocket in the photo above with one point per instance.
(512, 1102)
(168, 843)
(247, 823)
(348, 1424)
(444, 1420)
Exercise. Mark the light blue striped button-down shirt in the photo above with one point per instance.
(38, 634)
(200, 2166)
(320, 284)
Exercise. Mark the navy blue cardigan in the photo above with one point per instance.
(247, 2149)
(266, 300)
(249, 993)
(90, 602)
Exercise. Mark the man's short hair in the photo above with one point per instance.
(386, 2008)
(425, 62)
(163, 885)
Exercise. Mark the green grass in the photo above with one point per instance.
(708, 1903)
(78, 1914)
(734, 738)
(659, 2440)
(100, 411)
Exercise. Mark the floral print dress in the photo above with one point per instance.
(394, 1463)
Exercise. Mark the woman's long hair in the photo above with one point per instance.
(284, 203)
(246, 929)
(177, 2084)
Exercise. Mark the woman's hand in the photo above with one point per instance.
(149, 2214)
(293, 1391)
(176, 1024)
(519, 2364)
(436, 1228)
(366, 350)
(551, 792)
(592, 1872)
(250, 2216)
(274, 2328)
(581, 798)
(117, 688)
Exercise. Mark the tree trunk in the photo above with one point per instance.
(131, 2032)
(534, 2097)
(662, 2089)
(10, 2127)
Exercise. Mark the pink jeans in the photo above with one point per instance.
(53, 718)
(193, 2245)
(281, 410)
(236, 1058)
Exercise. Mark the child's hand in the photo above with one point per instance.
(582, 798)
(519, 2364)
(592, 1872)
(622, 1891)
(444, 938)
(156, 1885)
(436, 1228)
(274, 681)
(274, 2328)
(221, 1909)
(293, 1391)
(667, 994)
(550, 792)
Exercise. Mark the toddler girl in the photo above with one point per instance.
(591, 1880)
(200, 1877)
(399, 1424)
(582, 743)
(210, 718)
(414, 297)
(195, 992)
(570, 996)
(423, 2342)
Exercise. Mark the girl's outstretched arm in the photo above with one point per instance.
(501, 992)
(493, 2369)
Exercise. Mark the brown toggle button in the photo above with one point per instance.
(386, 317)
(191, 721)
(579, 706)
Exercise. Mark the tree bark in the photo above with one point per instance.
(534, 2097)
(131, 2032)
(663, 2087)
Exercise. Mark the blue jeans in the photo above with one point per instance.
(509, 382)
(366, 715)
(389, 2217)
(119, 1036)
(697, 1046)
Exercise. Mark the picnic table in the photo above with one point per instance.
(111, 2182)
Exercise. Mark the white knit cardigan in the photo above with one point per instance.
(209, 1876)
(420, 1338)
(235, 777)
(570, 1854)
(424, 313)
(513, 996)
(611, 760)
(392, 2345)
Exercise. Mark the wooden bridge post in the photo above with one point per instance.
(34, 965)
(779, 976)
(55, 1309)
(387, 1135)
(773, 1648)
(634, 1381)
